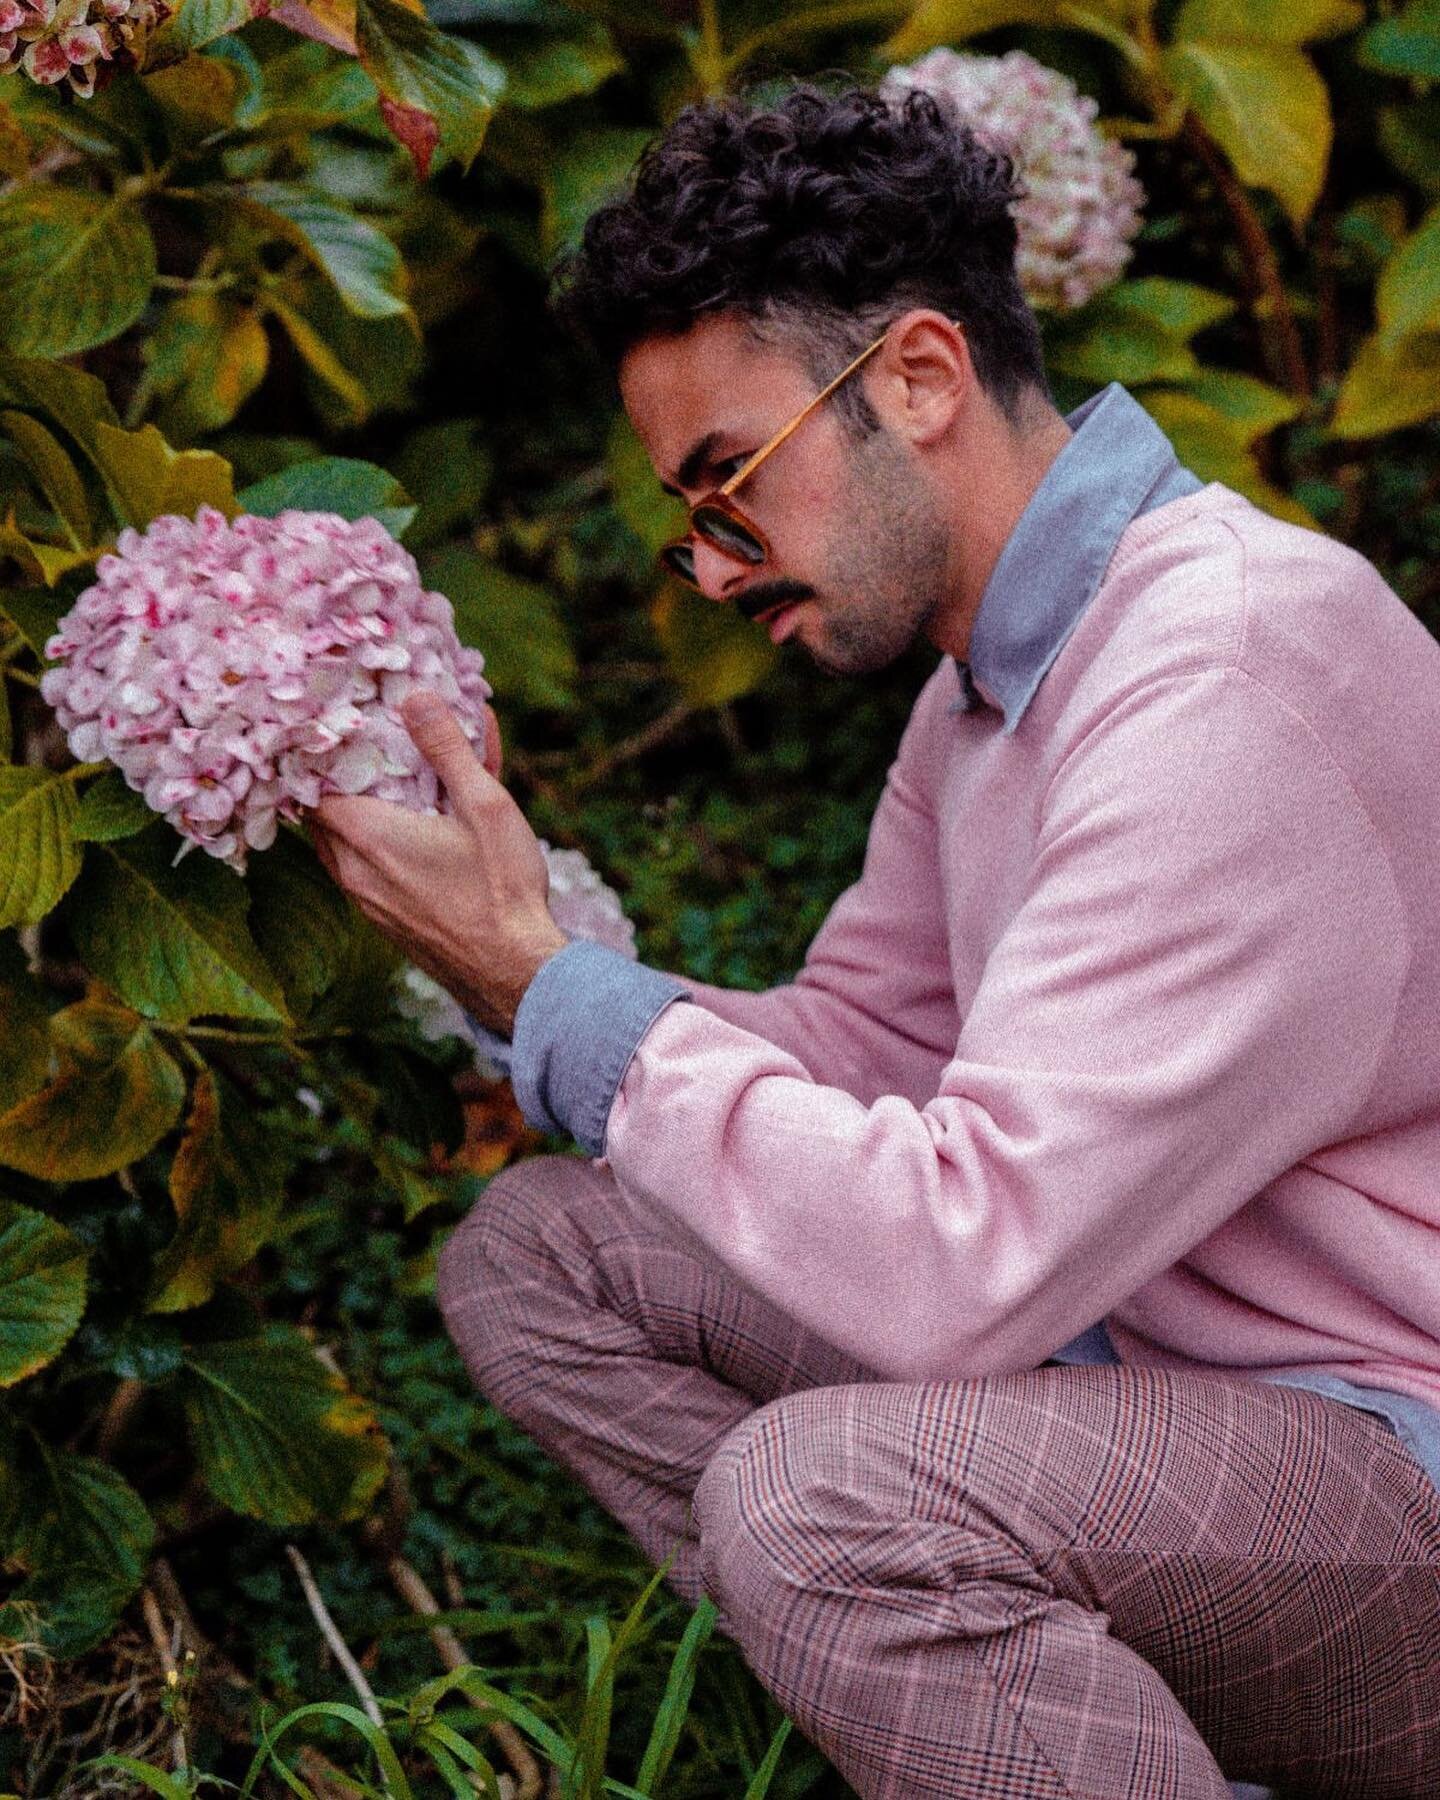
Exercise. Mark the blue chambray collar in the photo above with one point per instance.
(1118, 465)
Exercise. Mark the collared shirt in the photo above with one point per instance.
(588, 1011)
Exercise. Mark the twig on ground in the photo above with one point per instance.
(329, 1630)
(117, 1415)
(410, 1585)
(165, 1648)
(209, 1655)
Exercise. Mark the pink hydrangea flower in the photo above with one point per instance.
(580, 904)
(76, 41)
(234, 673)
(1082, 205)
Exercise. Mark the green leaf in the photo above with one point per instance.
(713, 653)
(765, 1774)
(301, 921)
(76, 268)
(951, 21)
(1253, 407)
(227, 1187)
(198, 95)
(320, 357)
(1136, 331)
(110, 809)
(1410, 135)
(338, 484)
(117, 1092)
(1216, 446)
(434, 90)
(653, 515)
(674, 1705)
(26, 1061)
(1385, 390)
(556, 69)
(172, 941)
(34, 614)
(514, 623)
(447, 469)
(38, 857)
(85, 1542)
(42, 1290)
(195, 24)
(1407, 299)
(1407, 44)
(1268, 110)
(206, 356)
(148, 478)
(57, 475)
(584, 169)
(45, 562)
(277, 1435)
(363, 263)
(7, 728)
(1267, 21)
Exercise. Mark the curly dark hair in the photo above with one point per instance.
(817, 217)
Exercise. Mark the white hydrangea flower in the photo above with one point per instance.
(1083, 204)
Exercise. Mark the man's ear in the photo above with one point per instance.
(926, 379)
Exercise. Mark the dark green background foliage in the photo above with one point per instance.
(225, 1163)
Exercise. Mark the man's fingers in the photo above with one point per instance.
(492, 743)
(440, 740)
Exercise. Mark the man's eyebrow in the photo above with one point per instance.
(695, 459)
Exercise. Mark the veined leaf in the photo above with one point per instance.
(1266, 107)
(227, 1187)
(1267, 21)
(34, 614)
(514, 623)
(171, 941)
(111, 809)
(57, 475)
(300, 919)
(277, 1435)
(207, 355)
(434, 90)
(76, 268)
(1407, 299)
(329, 22)
(952, 21)
(84, 1540)
(42, 1290)
(555, 69)
(1216, 447)
(320, 357)
(193, 25)
(115, 1096)
(148, 478)
(364, 265)
(198, 94)
(338, 484)
(1253, 407)
(47, 562)
(1385, 390)
(38, 855)
(713, 653)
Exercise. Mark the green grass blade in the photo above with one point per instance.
(675, 1702)
(465, 1753)
(169, 1787)
(349, 1715)
(760, 1786)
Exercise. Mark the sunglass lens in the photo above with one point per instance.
(727, 533)
(679, 559)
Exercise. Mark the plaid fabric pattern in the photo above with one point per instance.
(1079, 1583)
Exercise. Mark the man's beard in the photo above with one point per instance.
(888, 572)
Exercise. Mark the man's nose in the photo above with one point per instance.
(718, 576)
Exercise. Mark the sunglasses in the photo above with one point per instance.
(716, 518)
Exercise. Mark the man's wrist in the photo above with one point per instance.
(496, 1004)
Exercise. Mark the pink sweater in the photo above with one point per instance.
(1134, 1013)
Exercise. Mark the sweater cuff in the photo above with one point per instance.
(579, 1023)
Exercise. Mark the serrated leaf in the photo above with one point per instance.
(338, 484)
(363, 263)
(25, 1061)
(38, 855)
(76, 268)
(194, 24)
(300, 919)
(434, 90)
(85, 1540)
(1407, 44)
(148, 478)
(1407, 299)
(556, 69)
(1386, 390)
(115, 1095)
(227, 1187)
(110, 809)
(277, 1435)
(514, 623)
(1267, 21)
(42, 1290)
(171, 941)
(1266, 107)
(59, 479)
(712, 652)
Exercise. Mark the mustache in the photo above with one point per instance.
(768, 594)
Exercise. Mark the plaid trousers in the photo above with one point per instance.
(1066, 1584)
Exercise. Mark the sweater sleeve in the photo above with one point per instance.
(1193, 993)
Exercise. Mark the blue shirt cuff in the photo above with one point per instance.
(579, 1023)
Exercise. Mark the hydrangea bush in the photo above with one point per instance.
(235, 673)
(1082, 205)
(76, 41)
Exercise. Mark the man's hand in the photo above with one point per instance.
(462, 893)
